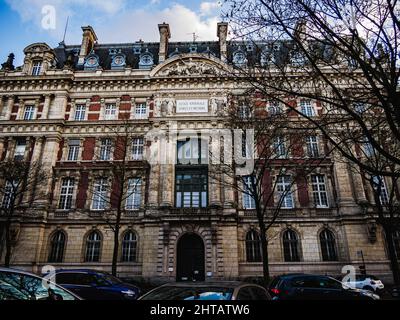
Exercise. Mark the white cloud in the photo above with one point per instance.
(114, 22)
(207, 8)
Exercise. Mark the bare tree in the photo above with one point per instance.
(345, 55)
(18, 191)
(122, 154)
(270, 165)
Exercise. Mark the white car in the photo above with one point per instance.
(366, 282)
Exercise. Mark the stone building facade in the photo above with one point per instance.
(60, 107)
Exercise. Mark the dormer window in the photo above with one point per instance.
(239, 58)
(37, 68)
(137, 49)
(92, 62)
(118, 62)
(193, 49)
(146, 61)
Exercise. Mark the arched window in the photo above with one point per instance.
(291, 246)
(57, 246)
(328, 245)
(93, 244)
(129, 247)
(253, 247)
(396, 243)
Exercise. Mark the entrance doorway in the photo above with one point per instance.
(190, 258)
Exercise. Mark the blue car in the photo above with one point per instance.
(96, 285)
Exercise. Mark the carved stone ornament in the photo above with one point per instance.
(190, 67)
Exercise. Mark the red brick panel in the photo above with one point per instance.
(297, 144)
(88, 148)
(115, 193)
(82, 190)
(93, 116)
(302, 190)
(267, 187)
(120, 146)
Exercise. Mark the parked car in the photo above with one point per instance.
(21, 285)
(222, 290)
(96, 285)
(366, 282)
(315, 287)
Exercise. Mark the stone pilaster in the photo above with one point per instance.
(46, 106)
(166, 176)
(8, 108)
(59, 106)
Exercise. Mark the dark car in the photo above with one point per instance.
(221, 290)
(314, 287)
(96, 285)
(21, 285)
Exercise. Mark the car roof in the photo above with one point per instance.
(293, 275)
(81, 271)
(226, 284)
(2, 269)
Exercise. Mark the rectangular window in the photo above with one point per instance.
(80, 111)
(110, 112)
(244, 112)
(312, 146)
(100, 190)
(141, 111)
(380, 186)
(134, 194)
(319, 191)
(105, 149)
(274, 107)
(137, 148)
(191, 188)
(29, 112)
(73, 149)
(279, 147)
(20, 147)
(248, 199)
(66, 193)
(306, 108)
(37, 68)
(284, 186)
(9, 190)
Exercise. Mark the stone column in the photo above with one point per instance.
(37, 162)
(46, 106)
(50, 151)
(9, 105)
(344, 187)
(154, 182)
(215, 190)
(228, 191)
(166, 178)
(2, 142)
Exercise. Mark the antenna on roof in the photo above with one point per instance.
(65, 31)
(195, 37)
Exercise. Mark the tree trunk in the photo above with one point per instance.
(7, 257)
(116, 241)
(264, 251)
(394, 263)
(115, 251)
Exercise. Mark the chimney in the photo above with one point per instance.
(164, 36)
(222, 32)
(88, 40)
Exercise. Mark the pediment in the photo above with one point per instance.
(37, 48)
(190, 65)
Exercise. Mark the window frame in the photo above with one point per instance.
(306, 108)
(37, 66)
(137, 148)
(132, 254)
(133, 200)
(316, 190)
(283, 185)
(80, 112)
(181, 187)
(29, 112)
(291, 243)
(57, 247)
(248, 201)
(312, 145)
(99, 197)
(66, 193)
(253, 246)
(328, 245)
(110, 111)
(93, 252)
(74, 146)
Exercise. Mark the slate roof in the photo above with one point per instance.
(252, 51)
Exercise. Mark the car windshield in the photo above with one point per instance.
(110, 278)
(188, 293)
